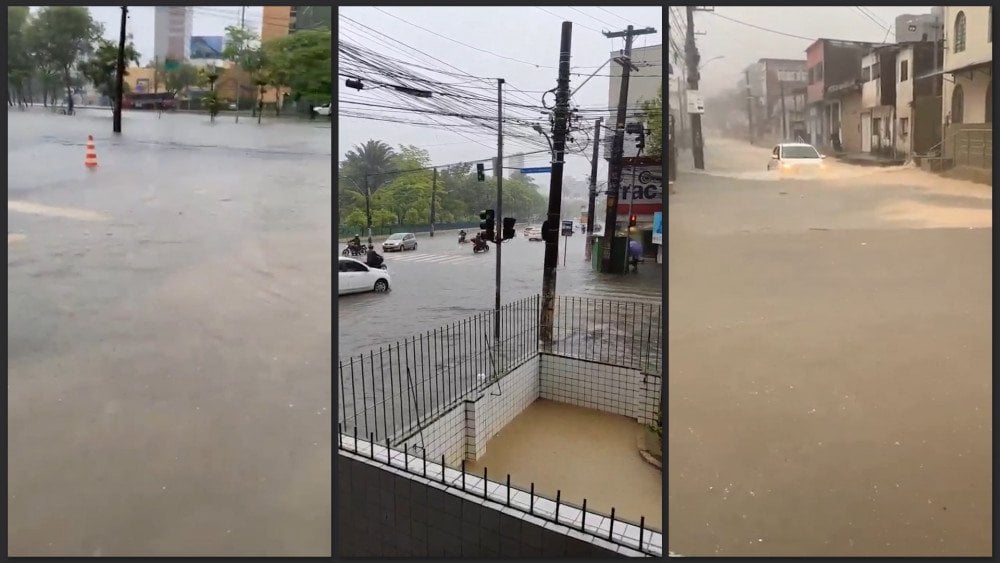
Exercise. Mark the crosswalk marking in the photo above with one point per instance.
(428, 258)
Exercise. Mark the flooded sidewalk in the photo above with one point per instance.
(581, 452)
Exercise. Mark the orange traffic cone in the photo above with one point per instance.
(91, 160)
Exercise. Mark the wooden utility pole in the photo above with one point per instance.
(617, 154)
(116, 118)
(693, 58)
(550, 228)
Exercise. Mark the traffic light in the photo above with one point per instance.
(480, 172)
(508, 228)
(632, 220)
(489, 219)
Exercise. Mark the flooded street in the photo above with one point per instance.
(169, 331)
(830, 346)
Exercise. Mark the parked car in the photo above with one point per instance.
(356, 277)
(794, 158)
(533, 233)
(323, 110)
(400, 242)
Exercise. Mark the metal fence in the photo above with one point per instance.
(617, 332)
(579, 517)
(392, 391)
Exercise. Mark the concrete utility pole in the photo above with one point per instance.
(592, 195)
(550, 228)
(617, 156)
(498, 229)
(691, 50)
(368, 212)
(749, 107)
(116, 118)
(434, 183)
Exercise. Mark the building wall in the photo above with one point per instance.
(172, 32)
(385, 510)
(602, 387)
(642, 86)
(816, 86)
(904, 99)
(977, 49)
(850, 122)
(277, 21)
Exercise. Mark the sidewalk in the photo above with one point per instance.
(868, 159)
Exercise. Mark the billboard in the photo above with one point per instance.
(658, 227)
(207, 46)
(642, 190)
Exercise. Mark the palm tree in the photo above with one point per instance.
(370, 160)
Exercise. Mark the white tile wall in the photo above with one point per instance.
(603, 387)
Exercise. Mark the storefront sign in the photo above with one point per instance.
(658, 227)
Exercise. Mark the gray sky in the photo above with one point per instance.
(208, 20)
(742, 45)
(525, 33)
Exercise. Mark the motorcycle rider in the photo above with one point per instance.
(461, 235)
(374, 259)
(354, 245)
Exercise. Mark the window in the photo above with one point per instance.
(819, 72)
(876, 71)
(810, 73)
(957, 104)
(866, 74)
(904, 127)
(960, 32)
(904, 71)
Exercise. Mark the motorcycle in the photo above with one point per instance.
(353, 250)
(461, 239)
(480, 246)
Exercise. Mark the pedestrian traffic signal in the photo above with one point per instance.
(508, 228)
(489, 219)
(632, 220)
(480, 172)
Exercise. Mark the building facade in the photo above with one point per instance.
(172, 33)
(643, 86)
(967, 97)
(918, 98)
(878, 101)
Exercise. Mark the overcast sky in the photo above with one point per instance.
(741, 45)
(526, 33)
(208, 20)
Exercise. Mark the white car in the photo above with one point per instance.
(356, 277)
(794, 158)
(323, 110)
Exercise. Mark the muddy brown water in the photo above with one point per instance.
(829, 389)
(582, 452)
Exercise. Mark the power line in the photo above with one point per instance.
(565, 19)
(613, 14)
(718, 15)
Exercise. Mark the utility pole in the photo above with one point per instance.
(593, 187)
(498, 229)
(156, 74)
(784, 127)
(749, 106)
(434, 184)
(368, 211)
(550, 228)
(615, 168)
(693, 58)
(116, 119)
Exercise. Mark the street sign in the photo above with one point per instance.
(696, 103)
(567, 228)
(537, 170)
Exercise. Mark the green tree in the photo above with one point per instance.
(303, 59)
(384, 218)
(102, 67)
(181, 79)
(654, 120)
(60, 37)
(19, 64)
(356, 218)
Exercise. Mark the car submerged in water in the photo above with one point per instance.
(796, 159)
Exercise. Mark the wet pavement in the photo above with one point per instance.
(443, 282)
(830, 363)
(169, 330)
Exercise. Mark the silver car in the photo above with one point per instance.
(400, 242)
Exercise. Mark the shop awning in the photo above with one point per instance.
(986, 65)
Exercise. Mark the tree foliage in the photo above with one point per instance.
(654, 121)
(402, 186)
(60, 37)
(301, 62)
(102, 67)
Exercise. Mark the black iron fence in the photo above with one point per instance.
(609, 527)
(392, 391)
(617, 332)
